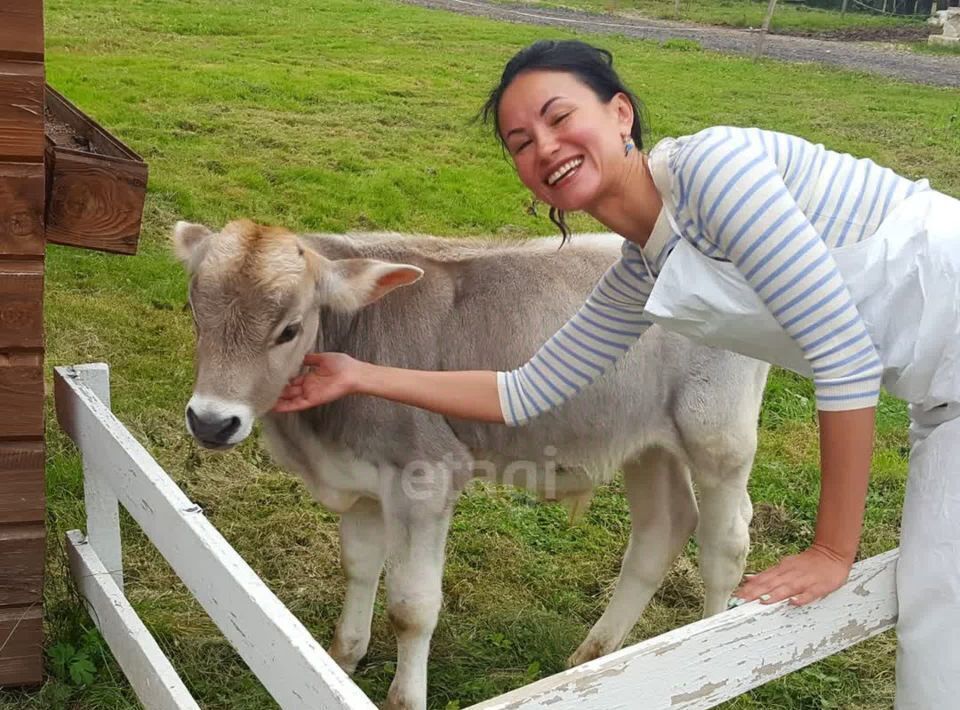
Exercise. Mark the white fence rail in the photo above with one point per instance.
(695, 667)
(700, 665)
(292, 666)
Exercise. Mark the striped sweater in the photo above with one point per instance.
(773, 205)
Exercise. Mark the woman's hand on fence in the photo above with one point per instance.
(330, 377)
(802, 579)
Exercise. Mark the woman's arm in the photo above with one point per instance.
(466, 394)
(748, 215)
(846, 442)
(846, 446)
(591, 342)
(470, 394)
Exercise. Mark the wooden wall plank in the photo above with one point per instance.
(21, 29)
(21, 111)
(96, 185)
(96, 202)
(21, 482)
(21, 396)
(21, 304)
(21, 559)
(22, 195)
(21, 662)
(22, 243)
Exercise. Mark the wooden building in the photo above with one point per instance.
(62, 179)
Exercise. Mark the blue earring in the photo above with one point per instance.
(628, 145)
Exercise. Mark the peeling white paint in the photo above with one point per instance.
(709, 662)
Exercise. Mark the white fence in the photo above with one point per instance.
(694, 667)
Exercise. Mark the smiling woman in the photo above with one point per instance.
(758, 242)
(576, 97)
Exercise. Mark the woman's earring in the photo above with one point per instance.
(628, 145)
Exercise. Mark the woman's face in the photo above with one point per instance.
(566, 144)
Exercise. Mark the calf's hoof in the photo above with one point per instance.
(347, 666)
(399, 700)
(590, 650)
(347, 655)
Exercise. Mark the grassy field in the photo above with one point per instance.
(342, 114)
(941, 49)
(789, 18)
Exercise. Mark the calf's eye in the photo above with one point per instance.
(288, 333)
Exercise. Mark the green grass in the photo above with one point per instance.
(941, 49)
(341, 114)
(788, 18)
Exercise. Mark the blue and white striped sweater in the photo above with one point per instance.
(773, 205)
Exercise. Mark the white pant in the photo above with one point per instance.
(928, 574)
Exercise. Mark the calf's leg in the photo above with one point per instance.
(363, 549)
(663, 515)
(723, 534)
(416, 533)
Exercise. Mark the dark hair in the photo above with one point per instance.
(590, 65)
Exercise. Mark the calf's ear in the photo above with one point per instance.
(350, 284)
(187, 239)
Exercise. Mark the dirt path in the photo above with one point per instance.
(908, 66)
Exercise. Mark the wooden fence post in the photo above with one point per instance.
(766, 27)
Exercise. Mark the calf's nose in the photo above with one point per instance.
(214, 429)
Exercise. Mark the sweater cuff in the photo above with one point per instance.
(511, 415)
(842, 398)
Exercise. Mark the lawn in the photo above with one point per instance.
(345, 114)
(788, 18)
(950, 50)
